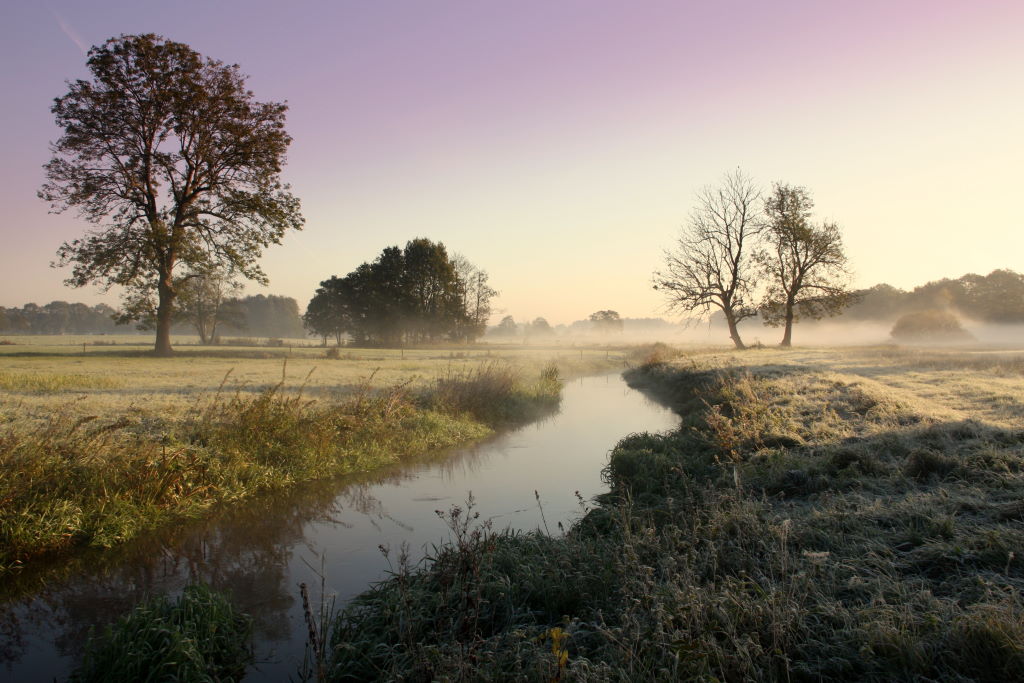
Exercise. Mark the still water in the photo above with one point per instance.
(261, 550)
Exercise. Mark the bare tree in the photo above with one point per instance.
(475, 295)
(804, 264)
(711, 264)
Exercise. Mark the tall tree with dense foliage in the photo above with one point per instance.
(176, 163)
(804, 264)
(711, 265)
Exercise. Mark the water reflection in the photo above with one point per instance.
(260, 551)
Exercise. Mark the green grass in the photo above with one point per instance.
(198, 637)
(818, 516)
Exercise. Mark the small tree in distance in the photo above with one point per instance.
(203, 299)
(711, 265)
(606, 322)
(170, 153)
(804, 265)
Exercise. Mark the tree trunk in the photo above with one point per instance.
(734, 332)
(787, 336)
(164, 309)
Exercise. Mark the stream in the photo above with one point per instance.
(261, 550)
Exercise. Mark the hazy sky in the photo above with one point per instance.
(558, 144)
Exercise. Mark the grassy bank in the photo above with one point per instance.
(74, 479)
(836, 515)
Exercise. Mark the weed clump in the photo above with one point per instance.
(197, 637)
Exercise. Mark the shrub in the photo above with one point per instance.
(933, 325)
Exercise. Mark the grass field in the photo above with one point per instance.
(821, 514)
(101, 444)
(43, 374)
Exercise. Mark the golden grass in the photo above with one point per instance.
(40, 375)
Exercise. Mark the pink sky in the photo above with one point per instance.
(558, 145)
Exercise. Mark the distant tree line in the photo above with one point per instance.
(257, 315)
(411, 295)
(59, 317)
(994, 298)
(605, 322)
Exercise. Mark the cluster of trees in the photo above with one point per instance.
(58, 317)
(746, 253)
(409, 295)
(994, 298)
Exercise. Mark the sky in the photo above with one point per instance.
(559, 144)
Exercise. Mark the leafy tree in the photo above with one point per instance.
(606, 321)
(431, 285)
(507, 327)
(711, 265)
(540, 327)
(172, 158)
(413, 294)
(881, 302)
(328, 313)
(266, 316)
(804, 264)
(997, 297)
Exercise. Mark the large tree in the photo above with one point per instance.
(804, 264)
(711, 264)
(176, 163)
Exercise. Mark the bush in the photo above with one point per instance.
(933, 325)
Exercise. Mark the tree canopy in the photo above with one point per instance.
(407, 295)
(605, 322)
(176, 163)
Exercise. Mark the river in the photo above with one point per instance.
(260, 550)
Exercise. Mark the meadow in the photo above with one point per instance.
(821, 514)
(100, 441)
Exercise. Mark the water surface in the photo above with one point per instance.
(261, 550)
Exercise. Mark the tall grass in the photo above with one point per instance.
(494, 393)
(98, 482)
(197, 637)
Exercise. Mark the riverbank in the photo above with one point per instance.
(101, 469)
(821, 514)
